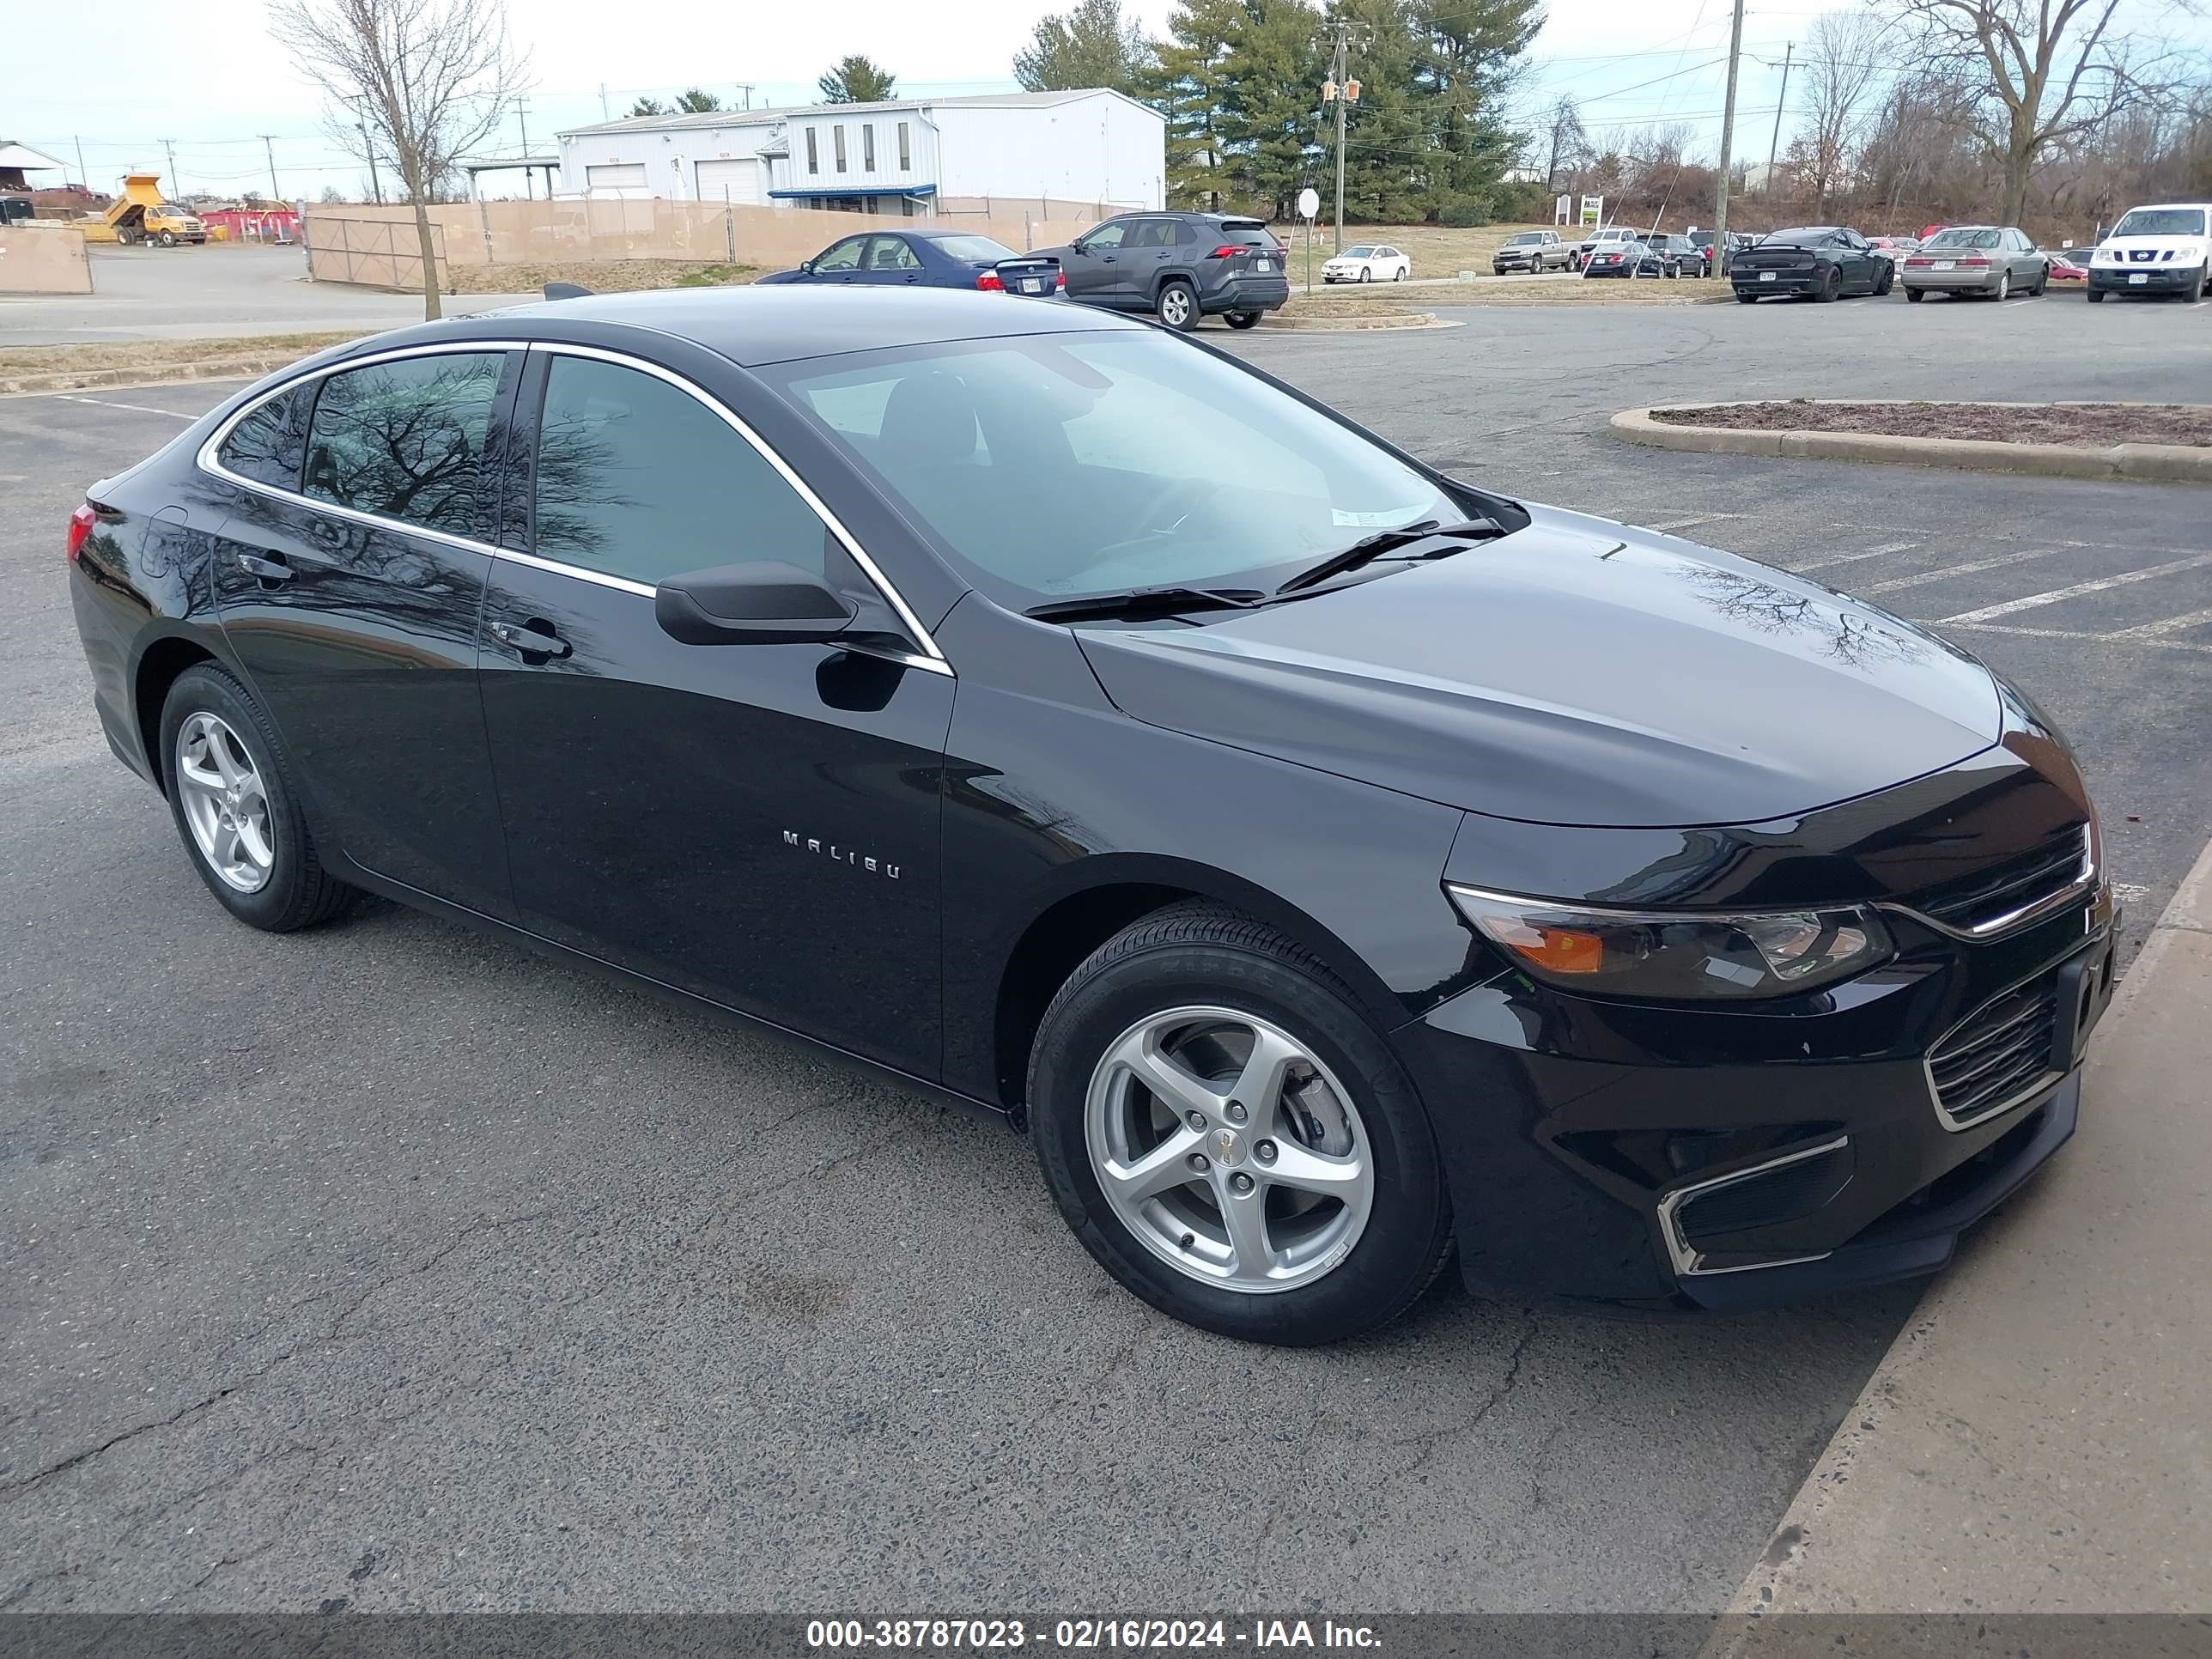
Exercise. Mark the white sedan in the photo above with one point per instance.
(1371, 262)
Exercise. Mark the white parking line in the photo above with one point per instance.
(1668, 527)
(1966, 570)
(2079, 638)
(1853, 558)
(2163, 625)
(1988, 612)
(136, 409)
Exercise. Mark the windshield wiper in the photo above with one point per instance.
(1384, 541)
(1141, 602)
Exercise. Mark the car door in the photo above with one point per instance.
(1093, 267)
(348, 578)
(890, 261)
(840, 261)
(1148, 256)
(2027, 266)
(754, 824)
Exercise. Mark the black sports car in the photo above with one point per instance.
(1818, 262)
(1328, 864)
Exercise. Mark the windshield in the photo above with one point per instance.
(2162, 221)
(1961, 239)
(1056, 467)
(1360, 252)
(979, 248)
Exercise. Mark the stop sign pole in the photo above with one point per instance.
(1309, 206)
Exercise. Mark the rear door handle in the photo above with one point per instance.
(530, 639)
(269, 571)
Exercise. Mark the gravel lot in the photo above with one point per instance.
(392, 1267)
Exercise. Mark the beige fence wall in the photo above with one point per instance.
(378, 246)
(44, 261)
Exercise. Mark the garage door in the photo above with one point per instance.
(740, 179)
(608, 174)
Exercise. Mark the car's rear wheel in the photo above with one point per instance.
(1242, 319)
(1399, 275)
(1177, 306)
(2004, 290)
(1231, 1137)
(1915, 295)
(1828, 286)
(231, 793)
(1745, 297)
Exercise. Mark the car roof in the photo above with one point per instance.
(782, 322)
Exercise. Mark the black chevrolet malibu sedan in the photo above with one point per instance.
(1330, 863)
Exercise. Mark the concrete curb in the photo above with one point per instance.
(2147, 463)
(1353, 324)
(90, 379)
(2029, 1443)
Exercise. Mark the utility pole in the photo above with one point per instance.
(1728, 134)
(375, 188)
(169, 149)
(745, 91)
(83, 177)
(1341, 90)
(604, 116)
(269, 149)
(1782, 103)
(522, 116)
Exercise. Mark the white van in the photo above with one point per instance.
(2163, 249)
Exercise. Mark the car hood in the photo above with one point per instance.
(1577, 671)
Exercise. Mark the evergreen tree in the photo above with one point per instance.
(1471, 52)
(1093, 45)
(1190, 84)
(696, 101)
(647, 106)
(1269, 111)
(857, 79)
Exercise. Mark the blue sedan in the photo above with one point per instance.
(928, 259)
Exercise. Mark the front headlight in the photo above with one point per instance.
(1677, 955)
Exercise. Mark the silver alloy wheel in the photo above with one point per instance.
(1174, 305)
(2005, 285)
(1230, 1153)
(225, 806)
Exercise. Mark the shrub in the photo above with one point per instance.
(1463, 215)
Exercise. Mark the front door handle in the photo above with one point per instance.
(269, 571)
(533, 639)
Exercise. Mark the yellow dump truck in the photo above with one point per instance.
(141, 215)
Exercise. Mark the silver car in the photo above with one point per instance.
(1989, 261)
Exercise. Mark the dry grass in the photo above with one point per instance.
(600, 275)
(163, 354)
(1436, 250)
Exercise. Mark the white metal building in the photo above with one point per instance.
(1095, 148)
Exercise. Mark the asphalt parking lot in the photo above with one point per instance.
(390, 1267)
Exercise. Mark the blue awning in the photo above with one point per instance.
(854, 190)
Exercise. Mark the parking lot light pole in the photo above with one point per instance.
(1728, 132)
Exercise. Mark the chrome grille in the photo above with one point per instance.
(1998, 1055)
(2014, 890)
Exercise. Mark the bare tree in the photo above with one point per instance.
(1841, 71)
(430, 78)
(2052, 70)
(1568, 143)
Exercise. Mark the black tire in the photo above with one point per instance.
(1242, 319)
(1178, 305)
(1915, 295)
(2195, 291)
(1199, 952)
(1745, 297)
(1884, 283)
(299, 892)
(1367, 273)
(167, 239)
(1830, 285)
(2096, 296)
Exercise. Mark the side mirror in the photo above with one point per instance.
(764, 603)
(807, 265)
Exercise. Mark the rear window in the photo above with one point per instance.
(1248, 236)
(1976, 238)
(979, 248)
(2162, 221)
(1800, 236)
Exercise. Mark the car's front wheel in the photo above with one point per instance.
(1178, 306)
(1231, 1136)
(231, 793)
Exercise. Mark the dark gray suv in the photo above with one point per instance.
(1178, 266)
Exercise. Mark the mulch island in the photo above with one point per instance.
(2094, 426)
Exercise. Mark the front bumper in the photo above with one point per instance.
(1695, 1159)
(2156, 279)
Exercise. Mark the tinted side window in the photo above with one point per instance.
(1107, 237)
(638, 479)
(269, 444)
(406, 440)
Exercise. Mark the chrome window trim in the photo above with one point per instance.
(1688, 1261)
(208, 459)
(931, 658)
(2084, 885)
(208, 456)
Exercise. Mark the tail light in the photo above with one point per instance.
(989, 283)
(1060, 281)
(80, 526)
(1230, 250)
(1974, 260)
(1917, 260)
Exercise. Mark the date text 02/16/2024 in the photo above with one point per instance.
(1085, 1634)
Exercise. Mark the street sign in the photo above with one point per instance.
(1308, 203)
(1593, 209)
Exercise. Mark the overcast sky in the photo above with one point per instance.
(204, 74)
